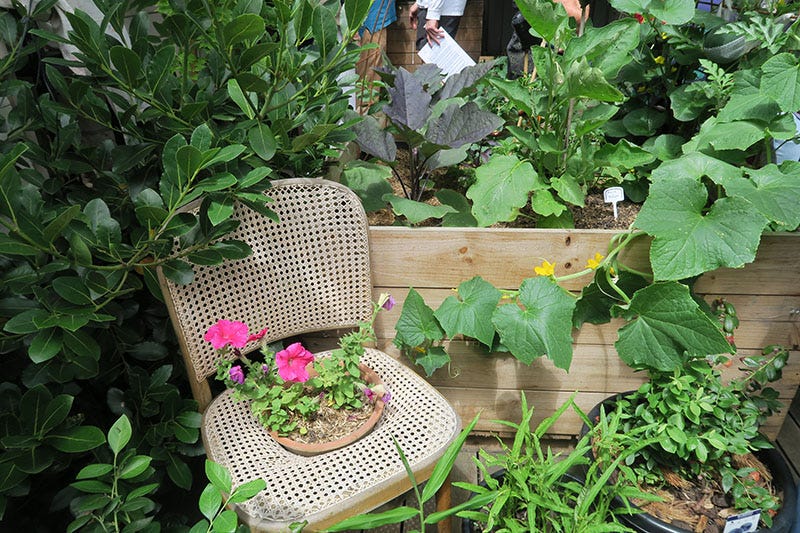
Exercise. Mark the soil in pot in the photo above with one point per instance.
(330, 429)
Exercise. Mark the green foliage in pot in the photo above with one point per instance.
(94, 172)
(545, 491)
(697, 423)
(433, 120)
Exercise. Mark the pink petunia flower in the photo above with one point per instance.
(257, 336)
(236, 374)
(292, 363)
(369, 394)
(226, 332)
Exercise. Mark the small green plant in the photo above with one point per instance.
(698, 424)
(438, 477)
(282, 390)
(544, 491)
(430, 117)
(118, 493)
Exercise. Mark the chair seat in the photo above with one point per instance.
(325, 488)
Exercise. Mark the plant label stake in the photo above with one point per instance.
(612, 195)
(743, 523)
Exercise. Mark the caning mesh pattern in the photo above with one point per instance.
(312, 488)
(309, 272)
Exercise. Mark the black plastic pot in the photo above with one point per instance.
(781, 479)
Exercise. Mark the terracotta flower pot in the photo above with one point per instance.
(316, 448)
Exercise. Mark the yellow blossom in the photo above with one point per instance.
(546, 269)
(664, 35)
(659, 60)
(593, 263)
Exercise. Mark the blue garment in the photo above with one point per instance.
(381, 14)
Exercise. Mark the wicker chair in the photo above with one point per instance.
(309, 272)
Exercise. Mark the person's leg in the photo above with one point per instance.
(450, 24)
(422, 36)
(365, 68)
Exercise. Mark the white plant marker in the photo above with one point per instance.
(743, 523)
(612, 195)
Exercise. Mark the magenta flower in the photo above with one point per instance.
(292, 363)
(265, 369)
(369, 394)
(389, 303)
(386, 397)
(236, 374)
(226, 332)
(257, 336)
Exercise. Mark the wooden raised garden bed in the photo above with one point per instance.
(766, 294)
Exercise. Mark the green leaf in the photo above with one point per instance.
(55, 228)
(463, 215)
(134, 466)
(222, 155)
(178, 272)
(10, 476)
(643, 121)
(226, 522)
(127, 63)
(92, 486)
(73, 290)
(687, 241)
(76, 439)
(445, 464)
(94, 470)
(370, 182)
(247, 27)
(470, 312)
(106, 230)
(546, 18)
(416, 323)
(11, 246)
(45, 345)
(247, 490)
(597, 298)
(119, 434)
(201, 137)
(190, 161)
(544, 326)
(179, 472)
(218, 476)
(324, 30)
(624, 154)
(81, 342)
(775, 194)
(416, 212)
(584, 81)
(781, 81)
(696, 165)
(210, 502)
(262, 141)
(666, 322)
(220, 208)
(501, 188)
(54, 414)
(375, 520)
(239, 98)
(356, 11)
(432, 360)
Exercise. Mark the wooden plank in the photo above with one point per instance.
(444, 257)
(751, 334)
(789, 443)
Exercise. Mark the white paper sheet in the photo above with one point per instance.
(447, 55)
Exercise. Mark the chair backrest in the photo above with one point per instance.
(308, 272)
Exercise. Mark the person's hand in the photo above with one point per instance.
(412, 15)
(433, 31)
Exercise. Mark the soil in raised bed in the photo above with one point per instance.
(596, 214)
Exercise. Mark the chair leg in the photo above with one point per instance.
(443, 503)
